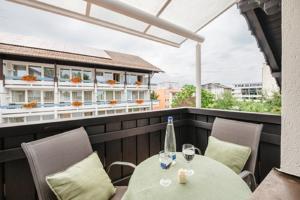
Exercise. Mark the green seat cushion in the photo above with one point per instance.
(232, 155)
(84, 180)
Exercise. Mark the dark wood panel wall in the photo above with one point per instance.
(127, 137)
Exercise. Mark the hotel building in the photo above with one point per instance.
(41, 82)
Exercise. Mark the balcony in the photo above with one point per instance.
(18, 82)
(129, 137)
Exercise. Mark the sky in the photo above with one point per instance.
(229, 53)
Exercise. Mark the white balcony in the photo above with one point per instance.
(17, 82)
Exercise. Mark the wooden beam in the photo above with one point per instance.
(261, 38)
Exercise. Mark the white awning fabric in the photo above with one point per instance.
(171, 22)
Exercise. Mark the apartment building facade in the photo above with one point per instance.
(38, 84)
(216, 88)
(248, 91)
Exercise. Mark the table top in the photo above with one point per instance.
(211, 181)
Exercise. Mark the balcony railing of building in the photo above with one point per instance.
(128, 137)
(63, 104)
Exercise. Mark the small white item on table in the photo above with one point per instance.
(182, 176)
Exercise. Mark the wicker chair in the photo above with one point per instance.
(56, 153)
(242, 133)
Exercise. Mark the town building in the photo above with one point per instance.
(247, 91)
(216, 88)
(47, 81)
(166, 92)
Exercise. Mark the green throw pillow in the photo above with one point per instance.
(232, 155)
(85, 180)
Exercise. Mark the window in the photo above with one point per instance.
(142, 95)
(48, 73)
(87, 76)
(88, 96)
(253, 91)
(88, 114)
(17, 96)
(19, 70)
(116, 77)
(16, 119)
(48, 97)
(110, 112)
(109, 95)
(245, 92)
(34, 95)
(65, 74)
(33, 118)
(65, 116)
(118, 95)
(76, 73)
(140, 78)
(131, 79)
(76, 96)
(100, 77)
(120, 111)
(100, 95)
(108, 76)
(48, 117)
(102, 112)
(129, 95)
(135, 95)
(78, 114)
(35, 71)
(65, 96)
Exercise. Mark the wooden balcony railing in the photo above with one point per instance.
(128, 137)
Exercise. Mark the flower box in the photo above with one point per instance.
(111, 82)
(139, 101)
(30, 105)
(76, 79)
(138, 82)
(29, 78)
(113, 102)
(76, 103)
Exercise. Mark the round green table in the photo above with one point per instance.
(211, 181)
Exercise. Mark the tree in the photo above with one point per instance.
(207, 98)
(154, 96)
(226, 101)
(186, 97)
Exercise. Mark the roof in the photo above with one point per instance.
(264, 20)
(170, 22)
(217, 85)
(110, 58)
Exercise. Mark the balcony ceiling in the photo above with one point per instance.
(171, 22)
(264, 20)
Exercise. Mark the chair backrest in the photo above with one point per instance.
(242, 133)
(53, 154)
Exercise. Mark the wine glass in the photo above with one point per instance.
(165, 161)
(188, 152)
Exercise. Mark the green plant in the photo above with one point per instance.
(186, 97)
(154, 96)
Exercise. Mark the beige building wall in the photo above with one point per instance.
(290, 139)
(268, 81)
(165, 97)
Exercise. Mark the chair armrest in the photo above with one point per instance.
(121, 163)
(245, 175)
(198, 150)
